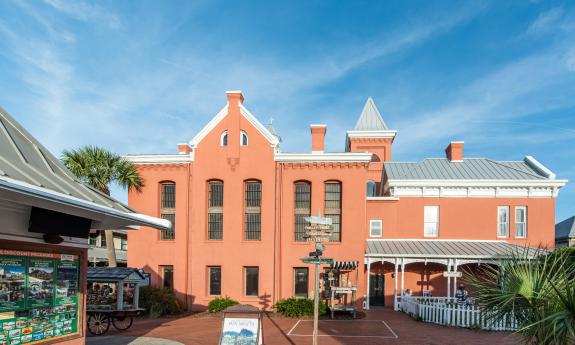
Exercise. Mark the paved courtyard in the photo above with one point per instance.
(379, 327)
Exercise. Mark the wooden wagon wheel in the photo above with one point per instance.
(122, 323)
(98, 323)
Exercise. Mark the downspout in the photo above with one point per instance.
(188, 228)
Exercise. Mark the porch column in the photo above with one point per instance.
(395, 287)
(448, 280)
(368, 279)
(454, 278)
(402, 276)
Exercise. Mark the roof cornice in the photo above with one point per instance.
(161, 159)
(324, 157)
(371, 134)
(476, 183)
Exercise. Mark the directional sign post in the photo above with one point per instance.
(318, 231)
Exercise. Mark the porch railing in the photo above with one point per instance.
(441, 311)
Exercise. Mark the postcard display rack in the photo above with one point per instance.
(38, 296)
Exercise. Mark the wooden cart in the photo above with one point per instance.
(113, 296)
(341, 287)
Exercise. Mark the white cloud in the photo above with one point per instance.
(85, 12)
(546, 21)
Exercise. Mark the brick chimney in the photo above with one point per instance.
(184, 148)
(317, 138)
(454, 151)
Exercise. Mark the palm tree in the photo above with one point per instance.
(98, 168)
(538, 292)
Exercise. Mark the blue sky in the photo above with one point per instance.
(142, 76)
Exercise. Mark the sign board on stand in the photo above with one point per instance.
(320, 261)
(452, 274)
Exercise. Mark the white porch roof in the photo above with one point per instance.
(445, 249)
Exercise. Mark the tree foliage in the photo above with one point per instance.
(539, 292)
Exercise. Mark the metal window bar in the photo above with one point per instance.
(335, 235)
(333, 195)
(216, 194)
(168, 195)
(302, 208)
(170, 234)
(253, 226)
(215, 226)
(333, 208)
(253, 196)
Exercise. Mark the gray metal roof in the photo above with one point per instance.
(23, 158)
(565, 229)
(469, 169)
(370, 118)
(445, 249)
(28, 168)
(113, 273)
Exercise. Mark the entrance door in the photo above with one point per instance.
(376, 296)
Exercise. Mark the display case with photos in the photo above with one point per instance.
(38, 296)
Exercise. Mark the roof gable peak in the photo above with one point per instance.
(370, 119)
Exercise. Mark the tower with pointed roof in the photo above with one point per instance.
(371, 134)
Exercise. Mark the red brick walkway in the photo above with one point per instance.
(205, 331)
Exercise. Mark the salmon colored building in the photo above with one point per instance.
(238, 205)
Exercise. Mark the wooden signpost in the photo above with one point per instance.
(319, 231)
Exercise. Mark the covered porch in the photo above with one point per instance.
(421, 266)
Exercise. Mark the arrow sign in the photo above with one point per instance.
(317, 261)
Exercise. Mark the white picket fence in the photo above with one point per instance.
(441, 311)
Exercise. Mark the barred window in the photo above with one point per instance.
(168, 209)
(302, 208)
(333, 208)
(253, 201)
(215, 210)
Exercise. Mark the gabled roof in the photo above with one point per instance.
(370, 118)
(28, 168)
(468, 169)
(565, 229)
(273, 139)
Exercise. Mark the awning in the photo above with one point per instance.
(447, 249)
(344, 265)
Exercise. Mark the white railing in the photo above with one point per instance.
(440, 311)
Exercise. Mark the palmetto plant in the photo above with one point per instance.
(98, 168)
(537, 290)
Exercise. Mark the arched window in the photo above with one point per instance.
(224, 139)
(253, 210)
(168, 208)
(370, 188)
(243, 138)
(302, 208)
(333, 208)
(215, 210)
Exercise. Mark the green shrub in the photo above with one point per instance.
(159, 301)
(219, 304)
(296, 307)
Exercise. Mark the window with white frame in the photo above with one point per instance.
(503, 221)
(224, 139)
(430, 221)
(521, 221)
(243, 138)
(375, 228)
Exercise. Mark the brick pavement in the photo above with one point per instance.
(194, 330)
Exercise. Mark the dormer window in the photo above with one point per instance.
(243, 138)
(224, 139)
